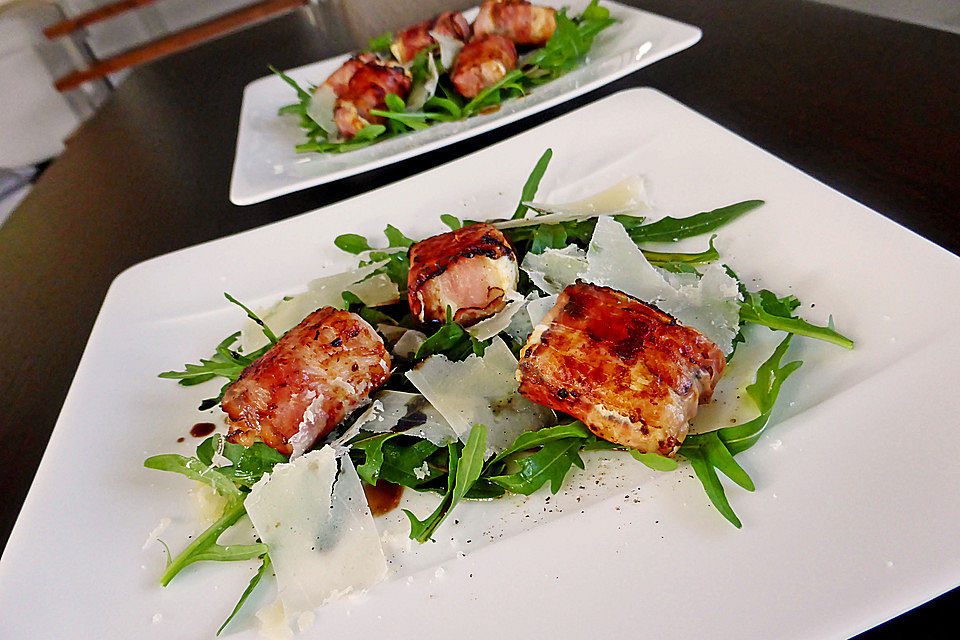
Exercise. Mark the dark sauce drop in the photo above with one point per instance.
(180, 439)
(202, 429)
(382, 498)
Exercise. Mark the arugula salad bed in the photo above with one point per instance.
(464, 469)
(438, 100)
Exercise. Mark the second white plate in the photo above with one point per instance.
(266, 164)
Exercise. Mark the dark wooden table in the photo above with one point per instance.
(868, 106)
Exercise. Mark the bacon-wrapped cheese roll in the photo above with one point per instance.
(340, 78)
(481, 63)
(518, 20)
(367, 89)
(409, 42)
(317, 374)
(470, 270)
(627, 370)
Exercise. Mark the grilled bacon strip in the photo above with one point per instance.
(518, 20)
(481, 63)
(627, 370)
(412, 40)
(367, 89)
(470, 269)
(317, 374)
(340, 78)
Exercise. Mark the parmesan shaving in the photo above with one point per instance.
(554, 269)
(423, 92)
(321, 108)
(408, 412)
(520, 325)
(708, 304)
(321, 292)
(322, 539)
(273, 622)
(406, 347)
(489, 327)
(449, 48)
(480, 390)
(627, 197)
(539, 308)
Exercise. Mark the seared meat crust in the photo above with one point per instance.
(470, 269)
(317, 374)
(627, 370)
(481, 63)
(409, 42)
(518, 20)
(367, 89)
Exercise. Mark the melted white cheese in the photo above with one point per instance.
(322, 539)
(480, 390)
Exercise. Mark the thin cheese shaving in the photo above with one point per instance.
(321, 108)
(424, 91)
(408, 412)
(627, 197)
(480, 390)
(707, 304)
(554, 269)
(489, 327)
(322, 539)
(321, 292)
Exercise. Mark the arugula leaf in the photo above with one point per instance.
(533, 439)
(397, 262)
(764, 308)
(381, 42)
(464, 471)
(249, 463)
(225, 362)
(659, 258)
(672, 229)
(250, 314)
(302, 93)
(708, 452)
(451, 340)
(451, 221)
(372, 449)
(205, 547)
(548, 236)
(551, 462)
(374, 316)
(654, 460)
(532, 184)
(396, 238)
(352, 243)
(254, 581)
(491, 96)
(196, 470)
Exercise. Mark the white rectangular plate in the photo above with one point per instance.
(854, 516)
(266, 165)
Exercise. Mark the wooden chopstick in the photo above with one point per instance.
(177, 41)
(97, 15)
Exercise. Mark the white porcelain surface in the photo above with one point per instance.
(853, 520)
(266, 165)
